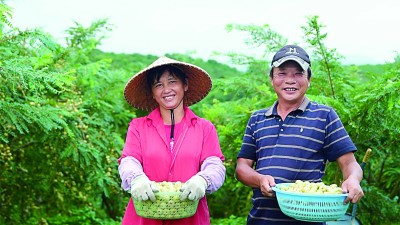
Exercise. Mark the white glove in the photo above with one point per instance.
(143, 189)
(194, 188)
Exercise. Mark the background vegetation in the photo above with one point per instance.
(63, 121)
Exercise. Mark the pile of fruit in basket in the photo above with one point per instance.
(309, 187)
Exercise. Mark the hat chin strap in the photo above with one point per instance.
(172, 129)
(172, 136)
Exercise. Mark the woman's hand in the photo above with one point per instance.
(194, 188)
(143, 189)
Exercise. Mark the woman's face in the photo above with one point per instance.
(169, 91)
(290, 83)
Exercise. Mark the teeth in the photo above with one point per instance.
(290, 89)
(168, 97)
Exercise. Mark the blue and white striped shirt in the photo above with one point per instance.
(297, 148)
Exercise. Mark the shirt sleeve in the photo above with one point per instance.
(248, 149)
(212, 168)
(213, 171)
(129, 168)
(132, 145)
(211, 146)
(337, 140)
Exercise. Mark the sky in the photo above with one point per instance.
(363, 31)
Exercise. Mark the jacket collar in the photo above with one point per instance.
(155, 117)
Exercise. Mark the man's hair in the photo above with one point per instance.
(271, 74)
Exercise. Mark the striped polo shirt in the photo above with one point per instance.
(297, 148)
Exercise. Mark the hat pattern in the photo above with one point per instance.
(291, 52)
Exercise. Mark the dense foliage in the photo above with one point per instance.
(63, 121)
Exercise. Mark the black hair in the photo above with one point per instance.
(156, 73)
(308, 73)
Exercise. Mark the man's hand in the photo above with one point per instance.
(194, 188)
(143, 189)
(266, 184)
(354, 190)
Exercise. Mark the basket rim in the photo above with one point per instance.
(278, 190)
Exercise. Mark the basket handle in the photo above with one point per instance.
(366, 157)
(364, 161)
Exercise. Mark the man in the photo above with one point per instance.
(292, 140)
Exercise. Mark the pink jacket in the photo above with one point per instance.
(146, 141)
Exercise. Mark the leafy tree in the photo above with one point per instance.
(60, 131)
(63, 121)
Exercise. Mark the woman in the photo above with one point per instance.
(171, 143)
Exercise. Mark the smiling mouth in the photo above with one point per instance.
(169, 97)
(290, 89)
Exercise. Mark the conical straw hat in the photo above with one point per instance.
(199, 85)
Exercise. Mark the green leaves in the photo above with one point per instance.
(63, 120)
(260, 37)
(60, 140)
(365, 97)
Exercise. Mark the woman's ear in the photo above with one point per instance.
(186, 85)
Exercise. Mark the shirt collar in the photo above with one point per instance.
(273, 111)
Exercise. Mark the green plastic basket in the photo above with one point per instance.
(167, 206)
(311, 207)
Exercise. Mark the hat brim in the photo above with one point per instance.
(199, 85)
(304, 65)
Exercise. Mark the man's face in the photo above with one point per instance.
(290, 83)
